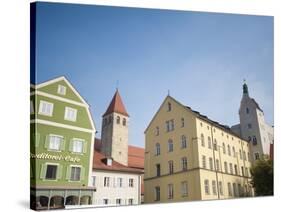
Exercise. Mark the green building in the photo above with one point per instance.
(62, 136)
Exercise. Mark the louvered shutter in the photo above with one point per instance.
(71, 145)
(82, 174)
(62, 144)
(84, 146)
(59, 174)
(47, 141)
(68, 169)
(43, 171)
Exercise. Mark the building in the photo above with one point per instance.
(62, 141)
(117, 167)
(253, 127)
(190, 157)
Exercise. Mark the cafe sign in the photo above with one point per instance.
(47, 156)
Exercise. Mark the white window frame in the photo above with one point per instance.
(78, 140)
(66, 111)
(53, 135)
(75, 166)
(52, 164)
(184, 189)
(41, 112)
(61, 90)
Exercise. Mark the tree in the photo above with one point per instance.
(262, 177)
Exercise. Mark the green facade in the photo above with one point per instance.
(63, 169)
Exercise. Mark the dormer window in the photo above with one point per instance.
(169, 106)
(61, 90)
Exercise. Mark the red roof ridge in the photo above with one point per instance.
(116, 105)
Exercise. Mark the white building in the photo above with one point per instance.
(117, 167)
(253, 127)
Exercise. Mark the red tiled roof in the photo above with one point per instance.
(116, 105)
(135, 159)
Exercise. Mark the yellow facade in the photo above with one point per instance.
(174, 123)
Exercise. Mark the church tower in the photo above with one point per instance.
(253, 126)
(114, 134)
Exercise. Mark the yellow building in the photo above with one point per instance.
(190, 157)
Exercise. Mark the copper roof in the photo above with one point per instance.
(116, 105)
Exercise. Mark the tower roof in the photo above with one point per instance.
(116, 105)
(245, 88)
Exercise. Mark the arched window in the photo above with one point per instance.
(157, 149)
(223, 148)
(233, 151)
(183, 142)
(124, 122)
(184, 163)
(169, 106)
(254, 140)
(118, 120)
(170, 145)
(228, 150)
(209, 143)
(157, 131)
(247, 110)
(202, 140)
(182, 122)
(215, 144)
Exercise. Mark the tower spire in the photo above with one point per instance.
(245, 88)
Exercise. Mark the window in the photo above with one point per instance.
(61, 90)
(220, 188)
(46, 108)
(157, 193)
(217, 165)
(169, 106)
(249, 138)
(202, 140)
(131, 182)
(244, 155)
(55, 142)
(171, 167)
(206, 186)
(157, 149)
(158, 170)
(240, 154)
(247, 110)
(183, 142)
(106, 182)
(131, 201)
(94, 178)
(124, 122)
(240, 190)
(228, 150)
(184, 189)
(223, 148)
(215, 145)
(255, 140)
(235, 169)
(70, 114)
(157, 131)
(233, 151)
(118, 120)
(246, 172)
(118, 201)
(204, 161)
(170, 191)
(249, 126)
(105, 121)
(77, 145)
(119, 182)
(231, 168)
(182, 122)
(75, 173)
(105, 201)
(225, 167)
(242, 170)
(229, 189)
(209, 143)
(184, 163)
(170, 125)
(51, 172)
(211, 163)
(235, 189)
(31, 107)
(109, 119)
(214, 187)
(170, 145)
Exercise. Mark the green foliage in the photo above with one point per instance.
(262, 177)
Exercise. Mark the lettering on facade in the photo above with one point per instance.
(46, 156)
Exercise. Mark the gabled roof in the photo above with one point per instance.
(116, 105)
(256, 104)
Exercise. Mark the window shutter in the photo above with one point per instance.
(62, 144)
(47, 140)
(82, 174)
(43, 171)
(59, 173)
(68, 169)
(85, 146)
(37, 139)
(71, 145)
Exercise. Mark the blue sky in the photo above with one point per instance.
(202, 58)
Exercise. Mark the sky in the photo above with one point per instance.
(201, 58)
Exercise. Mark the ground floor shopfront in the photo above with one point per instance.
(57, 198)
